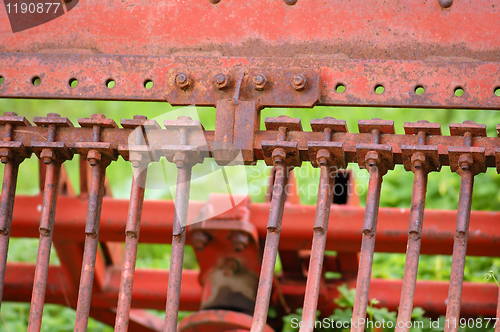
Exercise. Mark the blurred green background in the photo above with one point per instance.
(442, 191)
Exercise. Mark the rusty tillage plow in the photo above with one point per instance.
(283, 145)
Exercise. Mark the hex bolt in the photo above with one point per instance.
(214, 1)
(299, 82)
(259, 82)
(221, 81)
(199, 240)
(445, 3)
(290, 2)
(239, 241)
(182, 80)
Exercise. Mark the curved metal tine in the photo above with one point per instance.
(96, 194)
(367, 250)
(459, 251)
(130, 252)
(6, 209)
(178, 241)
(50, 192)
(413, 249)
(270, 249)
(325, 195)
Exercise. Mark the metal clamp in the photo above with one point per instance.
(281, 148)
(96, 150)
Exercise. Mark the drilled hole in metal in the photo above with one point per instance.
(419, 90)
(459, 91)
(110, 83)
(496, 91)
(340, 88)
(36, 81)
(73, 82)
(148, 84)
(379, 89)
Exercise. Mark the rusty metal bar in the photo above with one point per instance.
(46, 232)
(178, 241)
(96, 194)
(459, 250)
(367, 249)
(271, 247)
(6, 209)
(413, 248)
(130, 253)
(325, 193)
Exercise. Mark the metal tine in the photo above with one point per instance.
(185, 157)
(140, 156)
(330, 157)
(467, 161)
(281, 154)
(377, 158)
(99, 155)
(420, 159)
(53, 155)
(11, 161)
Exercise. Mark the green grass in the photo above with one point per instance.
(442, 192)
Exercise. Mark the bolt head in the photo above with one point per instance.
(290, 2)
(4, 160)
(214, 1)
(182, 80)
(259, 82)
(299, 82)
(47, 155)
(94, 157)
(239, 241)
(465, 161)
(180, 159)
(5, 155)
(221, 81)
(445, 3)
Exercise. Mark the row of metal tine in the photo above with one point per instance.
(283, 155)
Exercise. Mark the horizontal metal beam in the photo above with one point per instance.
(400, 79)
(157, 139)
(150, 288)
(356, 29)
(344, 232)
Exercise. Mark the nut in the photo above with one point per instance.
(5, 155)
(47, 155)
(221, 81)
(182, 80)
(372, 159)
(418, 160)
(199, 240)
(299, 82)
(180, 159)
(239, 241)
(279, 156)
(94, 157)
(259, 82)
(323, 157)
(465, 161)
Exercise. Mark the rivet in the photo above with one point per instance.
(445, 3)
(290, 2)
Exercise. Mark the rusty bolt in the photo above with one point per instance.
(94, 157)
(182, 80)
(5, 155)
(418, 160)
(299, 82)
(259, 82)
(279, 155)
(221, 81)
(445, 3)
(47, 155)
(323, 157)
(290, 2)
(465, 161)
(214, 1)
(136, 159)
(372, 158)
(199, 240)
(239, 241)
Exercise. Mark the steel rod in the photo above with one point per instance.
(46, 230)
(413, 249)
(130, 252)
(96, 195)
(270, 248)
(367, 249)
(314, 275)
(178, 241)
(6, 208)
(459, 251)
